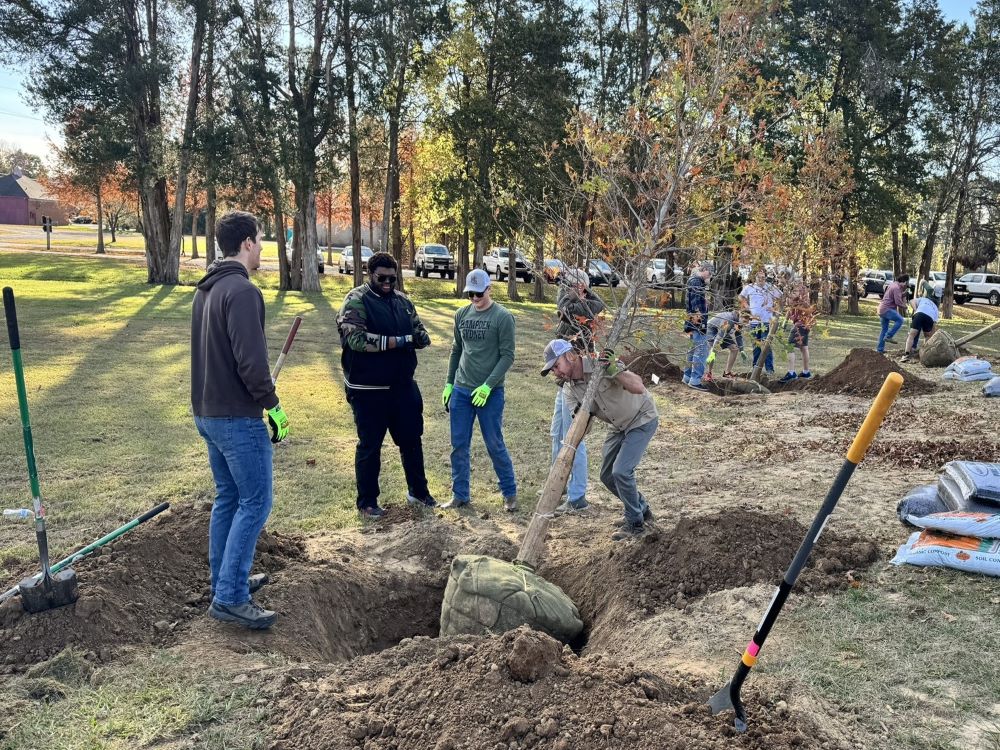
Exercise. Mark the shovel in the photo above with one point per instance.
(49, 591)
(729, 697)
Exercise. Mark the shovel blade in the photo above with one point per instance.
(40, 595)
(721, 701)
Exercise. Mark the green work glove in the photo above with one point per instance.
(743, 356)
(446, 394)
(610, 362)
(278, 420)
(711, 357)
(480, 394)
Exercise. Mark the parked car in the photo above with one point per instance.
(320, 260)
(434, 259)
(553, 270)
(978, 286)
(346, 264)
(657, 272)
(874, 281)
(602, 273)
(82, 220)
(497, 263)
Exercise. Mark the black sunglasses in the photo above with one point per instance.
(384, 278)
(476, 295)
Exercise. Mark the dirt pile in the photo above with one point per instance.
(152, 588)
(700, 555)
(649, 362)
(860, 374)
(515, 691)
(143, 589)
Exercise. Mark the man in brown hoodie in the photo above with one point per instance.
(230, 389)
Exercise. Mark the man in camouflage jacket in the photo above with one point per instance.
(379, 332)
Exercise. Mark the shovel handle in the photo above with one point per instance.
(886, 395)
(10, 312)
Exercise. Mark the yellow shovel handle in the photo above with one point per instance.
(886, 395)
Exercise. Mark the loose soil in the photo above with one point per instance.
(671, 568)
(152, 588)
(862, 373)
(519, 690)
(649, 362)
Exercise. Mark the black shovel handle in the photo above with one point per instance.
(10, 312)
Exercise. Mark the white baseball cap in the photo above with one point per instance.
(477, 281)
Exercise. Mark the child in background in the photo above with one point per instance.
(802, 315)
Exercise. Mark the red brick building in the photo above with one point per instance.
(24, 201)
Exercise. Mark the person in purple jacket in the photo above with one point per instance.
(891, 310)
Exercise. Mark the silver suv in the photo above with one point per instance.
(434, 259)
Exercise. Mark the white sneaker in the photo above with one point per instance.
(569, 509)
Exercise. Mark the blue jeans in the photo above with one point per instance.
(622, 453)
(759, 333)
(696, 356)
(562, 418)
(240, 453)
(888, 317)
(490, 415)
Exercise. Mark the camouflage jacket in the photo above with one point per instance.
(366, 323)
(352, 322)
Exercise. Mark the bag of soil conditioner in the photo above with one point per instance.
(992, 389)
(920, 501)
(978, 480)
(982, 525)
(936, 550)
(966, 369)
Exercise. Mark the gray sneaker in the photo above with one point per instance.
(629, 531)
(249, 615)
(569, 507)
(454, 504)
(256, 582)
(510, 504)
(647, 517)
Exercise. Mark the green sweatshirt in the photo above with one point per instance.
(484, 347)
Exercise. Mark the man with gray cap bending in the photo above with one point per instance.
(577, 308)
(482, 353)
(624, 403)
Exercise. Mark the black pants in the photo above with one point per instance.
(400, 410)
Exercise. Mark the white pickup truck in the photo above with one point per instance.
(497, 263)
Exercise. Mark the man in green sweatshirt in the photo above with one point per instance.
(480, 357)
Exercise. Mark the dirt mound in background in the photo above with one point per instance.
(649, 362)
(462, 694)
(701, 555)
(860, 374)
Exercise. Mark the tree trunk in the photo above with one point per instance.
(927, 257)
(100, 220)
(512, 268)
(904, 253)
(352, 129)
(853, 306)
(304, 239)
(209, 109)
(329, 227)
(187, 138)
(538, 291)
(194, 232)
(895, 249)
(462, 259)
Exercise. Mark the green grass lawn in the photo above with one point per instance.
(106, 360)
